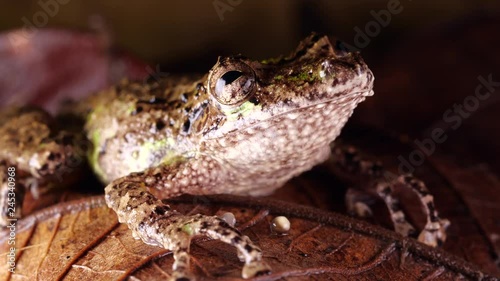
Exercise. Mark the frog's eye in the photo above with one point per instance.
(232, 83)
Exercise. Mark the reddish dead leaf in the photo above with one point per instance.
(81, 240)
(45, 66)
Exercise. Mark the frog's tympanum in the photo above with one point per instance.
(246, 127)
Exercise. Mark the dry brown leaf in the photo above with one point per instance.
(82, 240)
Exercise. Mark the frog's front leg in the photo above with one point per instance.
(133, 199)
(384, 183)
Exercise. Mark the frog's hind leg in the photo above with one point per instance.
(157, 224)
(37, 152)
(434, 231)
(358, 203)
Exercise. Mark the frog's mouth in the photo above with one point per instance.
(340, 106)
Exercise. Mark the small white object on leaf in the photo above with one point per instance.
(229, 218)
(280, 224)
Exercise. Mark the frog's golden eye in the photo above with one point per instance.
(232, 82)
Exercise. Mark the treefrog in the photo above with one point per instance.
(246, 127)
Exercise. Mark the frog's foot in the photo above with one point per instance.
(181, 228)
(434, 231)
(358, 204)
(156, 224)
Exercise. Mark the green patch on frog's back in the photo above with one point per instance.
(279, 77)
(93, 155)
(305, 75)
(148, 149)
(162, 151)
(143, 156)
(272, 60)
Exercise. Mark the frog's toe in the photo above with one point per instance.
(255, 268)
(181, 276)
(434, 234)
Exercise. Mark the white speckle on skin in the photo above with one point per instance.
(150, 180)
(202, 170)
(293, 116)
(184, 181)
(135, 154)
(263, 126)
(222, 142)
(194, 181)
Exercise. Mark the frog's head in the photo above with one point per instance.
(247, 93)
(279, 107)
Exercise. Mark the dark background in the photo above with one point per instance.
(427, 59)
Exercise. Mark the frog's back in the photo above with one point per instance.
(136, 125)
